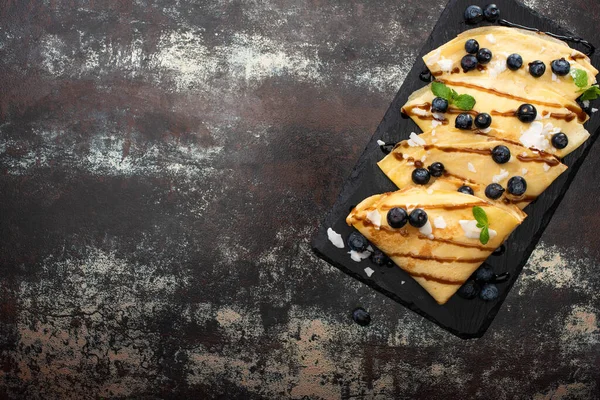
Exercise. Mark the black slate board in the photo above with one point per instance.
(464, 318)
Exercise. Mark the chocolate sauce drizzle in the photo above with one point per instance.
(590, 49)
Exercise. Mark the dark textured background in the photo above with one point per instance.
(163, 167)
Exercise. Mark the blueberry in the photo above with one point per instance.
(560, 67)
(485, 273)
(361, 316)
(514, 62)
(380, 259)
(357, 242)
(484, 56)
(436, 169)
(491, 12)
(489, 292)
(439, 105)
(494, 191)
(464, 121)
(501, 154)
(526, 113)
(537, 68)
(468, 63)
(417, 218)
(469, 290)
(560, 140)
(466, 190)
(421, 176)
(397, 217)
(483, 120)
(517, 186)
(472, 46)
(473, 15)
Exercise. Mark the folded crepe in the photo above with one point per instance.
(444, 253)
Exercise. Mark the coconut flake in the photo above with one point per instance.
(369, 271)
(472, 231)
(375, 218)
(359, 256)
(423, 159)
(439, 222)
(405, 156)
(486, 130)
(543, 49)
(471, 167)
(546, 167)
(335, 238)
(594, 110)
(524, 171)
(433, 132)
(415, 140)
(586, 103)
(445, 64)
(491, 38)
(534, 137)
(554, 77)
(426, 229)
(501, 176)
(497, 68)
(381, 143)
(411, 163)
(419, 111)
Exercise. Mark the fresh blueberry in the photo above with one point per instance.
(501, 154)
(494, 191)
(464, 121)
(468, 63)
(483, 120)
(473, 15)
(417, 218)
(357, 242)
(425, 75)
(560, 67)
(537, 68)
(491, 12)
(517, 186)
(526, 113)
(484, 56)
(361, 316)
(397, 217)
(380, 259)
(439, 105)
(421, 176)
(472, 46)
(514, 62)
(489, 292)
(436, 169)
(466, 190)
(560, 140)
(485, 273)
(469, 290)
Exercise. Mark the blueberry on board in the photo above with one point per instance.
(417, 218)
(484, 56)
(537, 68)
(466, 190)
(483, 120)
(421, 176)
(439, 105)
(489, 292)
(397, 217)
(361, 316)
(494, 191)
(357, 242)
(560, 140)
(379, 258)
(472, 46)
(491, 12)
(526, 113)
(517, 186)
(560, 67)
(514, 62)
(468, 63)
(469, 290)
(473, 15)
(485, 273)
(436, 169)
(501, 154)
(464, 121)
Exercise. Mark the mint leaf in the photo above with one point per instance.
(592, 93)
(580, 77)
(480, 216)
(484, 236)
(443, 91)
(465, 102)
(454, 94)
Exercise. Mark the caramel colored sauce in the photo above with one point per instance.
(454, 243)
(438, 259)
(454, 110)
(551, 161)
(433, 278)
(418, 164)
(511, 113)
(485, 152)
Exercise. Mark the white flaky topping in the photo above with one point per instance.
(546, 167)
(594, 110)
(501, 176)
(497, 68)
(586, 103)
(471, 167)
(405, 156)
(439, 222)
(380, 142)
(445, 64)
(535, 137)
(415, 140)
(469, 226)
(369, 271)
(491, 38)
(357, 256)
(427, 230)
(375, 218)
(435, 123)
(419, 111)
(554, 77)
(335, 238)
(524, 171)
(423, 159)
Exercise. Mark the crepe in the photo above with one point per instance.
(441, 259)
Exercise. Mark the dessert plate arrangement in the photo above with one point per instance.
(443, 221)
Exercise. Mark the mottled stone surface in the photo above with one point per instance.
(163, 166)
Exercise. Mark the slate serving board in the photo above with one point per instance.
(464, 318)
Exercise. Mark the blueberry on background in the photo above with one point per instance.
(357, 242)
(469, 290)
(491, 12)
(489, 292)
(361, 316)
(379, 258)
(473, 15)
(485, 273)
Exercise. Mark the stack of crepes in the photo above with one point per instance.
(444, 254)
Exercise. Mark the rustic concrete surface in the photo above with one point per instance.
(164, 165)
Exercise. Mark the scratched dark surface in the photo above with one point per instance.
(163, 167)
